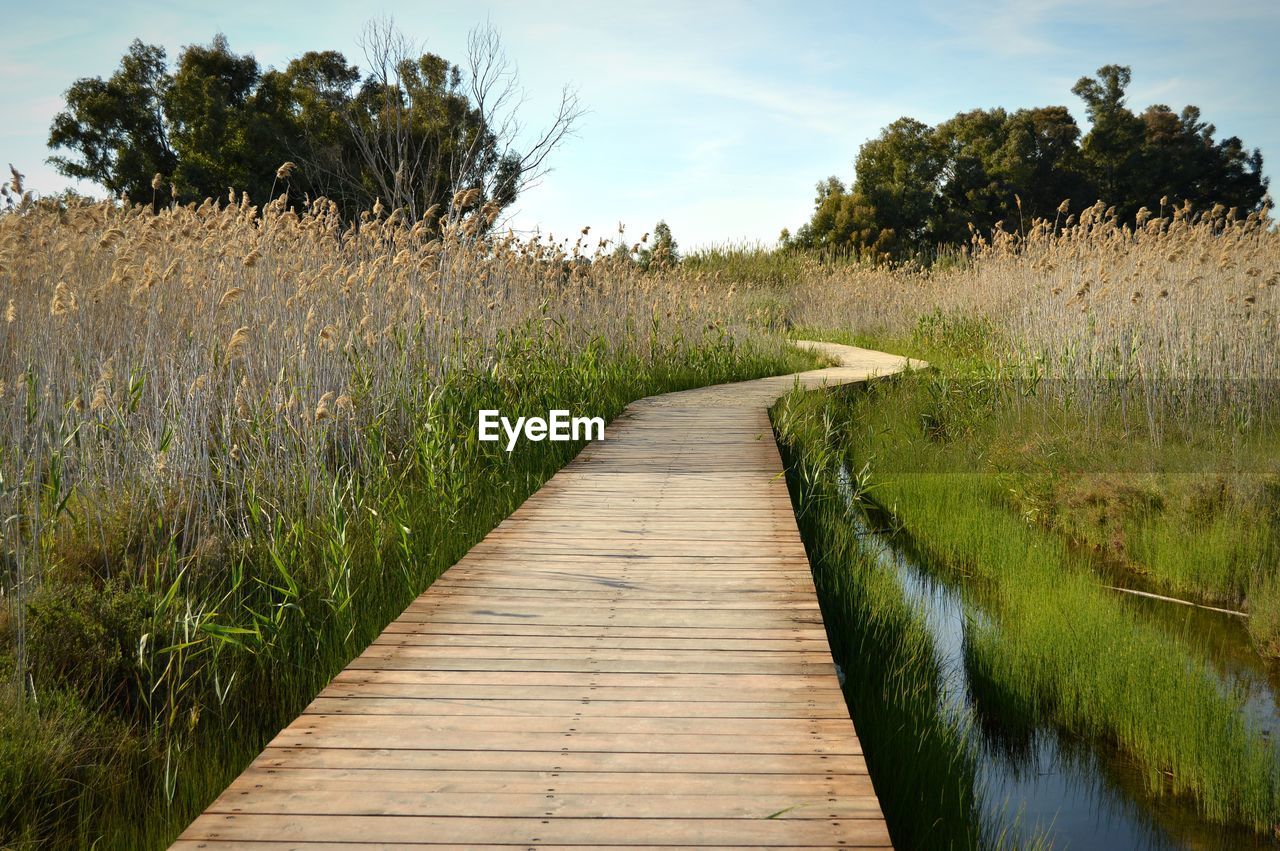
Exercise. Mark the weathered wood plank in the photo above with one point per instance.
(736, 833)
(822, 766)
(530, 782)
(360, 800)
(364, 704)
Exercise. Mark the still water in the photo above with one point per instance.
(1038, 785)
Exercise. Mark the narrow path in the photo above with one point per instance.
(635, 657)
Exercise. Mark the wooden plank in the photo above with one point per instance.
(570, 664)
(361, 702)
(388, 685)
(596, 616)
(295, 845)
(736, 833)
(539, 782)
(822, 766)
(776, 683)
(600, 642)
(790, 728)
(705, 650)
(399, 736)
(634, 658)
(360, 800)
(583, 635)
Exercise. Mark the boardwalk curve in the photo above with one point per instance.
(635, 658)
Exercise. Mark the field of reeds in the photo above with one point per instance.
(237, 441)
(1126, 379)
(1100, 412)
(1190, 296)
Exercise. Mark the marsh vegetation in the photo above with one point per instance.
(237, 442)
(238, 432)
(1100, 414)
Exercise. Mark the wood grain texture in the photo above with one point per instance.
(635, 658)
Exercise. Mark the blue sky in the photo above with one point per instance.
(717, 116)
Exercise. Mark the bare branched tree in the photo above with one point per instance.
(425, 131)
(497, 96)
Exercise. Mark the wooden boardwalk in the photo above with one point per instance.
(634, 658)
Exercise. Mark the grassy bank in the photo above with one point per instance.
(238, 442)
(1190, 509)
(933, 452)
(922, 764)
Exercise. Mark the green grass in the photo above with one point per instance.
(1064, 644)
(921, 763)
(155, 685)
(753, 266)
(1185, 504)
(929, 448)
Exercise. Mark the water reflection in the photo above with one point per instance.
(1035, 782)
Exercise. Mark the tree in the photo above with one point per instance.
(1113, 146)
(220, 133)
(1182, 162)
(413, 132)
(117, 126)
(422, 129)
(1041, 161)
(663, 251)
(842, 221)
(918, 186)
(665, 248)
(973, 186)
(312, 95)
(897, 174)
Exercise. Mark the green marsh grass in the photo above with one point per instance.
(1058, 641)
(1194, 515)
(921, 763)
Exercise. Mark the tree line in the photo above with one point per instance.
(917, 187)
(409, 131)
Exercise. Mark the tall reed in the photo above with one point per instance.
(235, 442)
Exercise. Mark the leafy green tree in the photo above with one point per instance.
(114, 129)
(417, 134)
(842, 221)
(1040, 160)
(897, 174)
(1182, 162)
(917, 186)
(972, 185)
(307, 106)
(222, 135)
(413, 132)
(1113, 146)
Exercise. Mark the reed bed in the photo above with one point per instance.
(235, 442)
(1186, 305)
(1124, 381)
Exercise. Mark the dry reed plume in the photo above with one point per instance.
(1180, 297)
(162, 363)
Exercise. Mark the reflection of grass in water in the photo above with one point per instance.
(1060, 643)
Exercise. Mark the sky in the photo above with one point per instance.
(718, 117)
